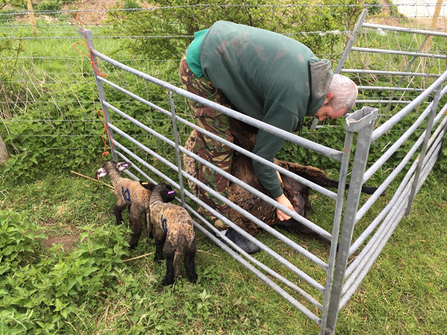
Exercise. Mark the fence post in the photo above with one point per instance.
(177, 150)
(87, 33)
(423, 149)
(31, 15)
(336, 227)
(361, 121)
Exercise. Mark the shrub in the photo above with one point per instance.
(131, 5)
(52, 6)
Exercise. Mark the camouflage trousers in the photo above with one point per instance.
(210, 150)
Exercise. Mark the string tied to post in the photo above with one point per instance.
(105, 134)
(91, 56)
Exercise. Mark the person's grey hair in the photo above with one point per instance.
(344, 92)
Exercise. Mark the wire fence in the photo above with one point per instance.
(47, 91)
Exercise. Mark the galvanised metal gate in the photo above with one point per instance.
(320, 298)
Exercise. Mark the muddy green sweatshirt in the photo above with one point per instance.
(265, 75)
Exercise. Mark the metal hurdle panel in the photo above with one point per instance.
(339, 279)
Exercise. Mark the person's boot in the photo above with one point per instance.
(243, 243)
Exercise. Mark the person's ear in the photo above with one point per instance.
(328, 98)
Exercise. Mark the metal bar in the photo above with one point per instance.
(336, 227)
(150, 167)
(370, 261)
(387, 88)
(407, 109)
(351, 41)
(136, 97)
(382, 101)
(134, 166)
(424, 148)
(404, 30)
(394, 52)
(391, 150)
(379, 239)
(365, 127)
(263, 247)
(397, 195)
(410, 64)
(392, 73)
(102, 97)
(177, 150)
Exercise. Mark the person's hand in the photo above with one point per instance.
(285, 202)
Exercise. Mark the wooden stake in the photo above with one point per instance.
(434, 23)
(33, 19)
(93, 179)
(131, 259)
(206, 252)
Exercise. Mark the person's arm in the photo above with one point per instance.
(267, 145)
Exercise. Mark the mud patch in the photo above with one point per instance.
(69, 242)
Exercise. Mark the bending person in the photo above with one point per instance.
(267, 76)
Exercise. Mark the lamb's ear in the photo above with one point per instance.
(167, 195)
(123, 166)
(147, 185)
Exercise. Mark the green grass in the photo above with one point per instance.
(404, 293)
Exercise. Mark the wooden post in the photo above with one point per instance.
(31, 14)
(434, 22)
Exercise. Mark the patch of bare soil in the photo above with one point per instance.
(95, 12)
(68, 242)
(90, 12)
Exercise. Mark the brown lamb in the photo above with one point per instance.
(129, 193)
(175, 231)
(242, 168)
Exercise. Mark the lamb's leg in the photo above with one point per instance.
(169, 254)
(159, 243)
(117, 210)
(190, 266)
(135, 221)
(149, 226)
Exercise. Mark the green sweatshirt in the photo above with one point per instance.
(267, 76)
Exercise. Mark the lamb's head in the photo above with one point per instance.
(162, 190)
(110, 166)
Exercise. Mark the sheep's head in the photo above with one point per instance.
(165, 190)
(109, 166)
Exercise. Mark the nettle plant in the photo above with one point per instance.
(40, 291)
